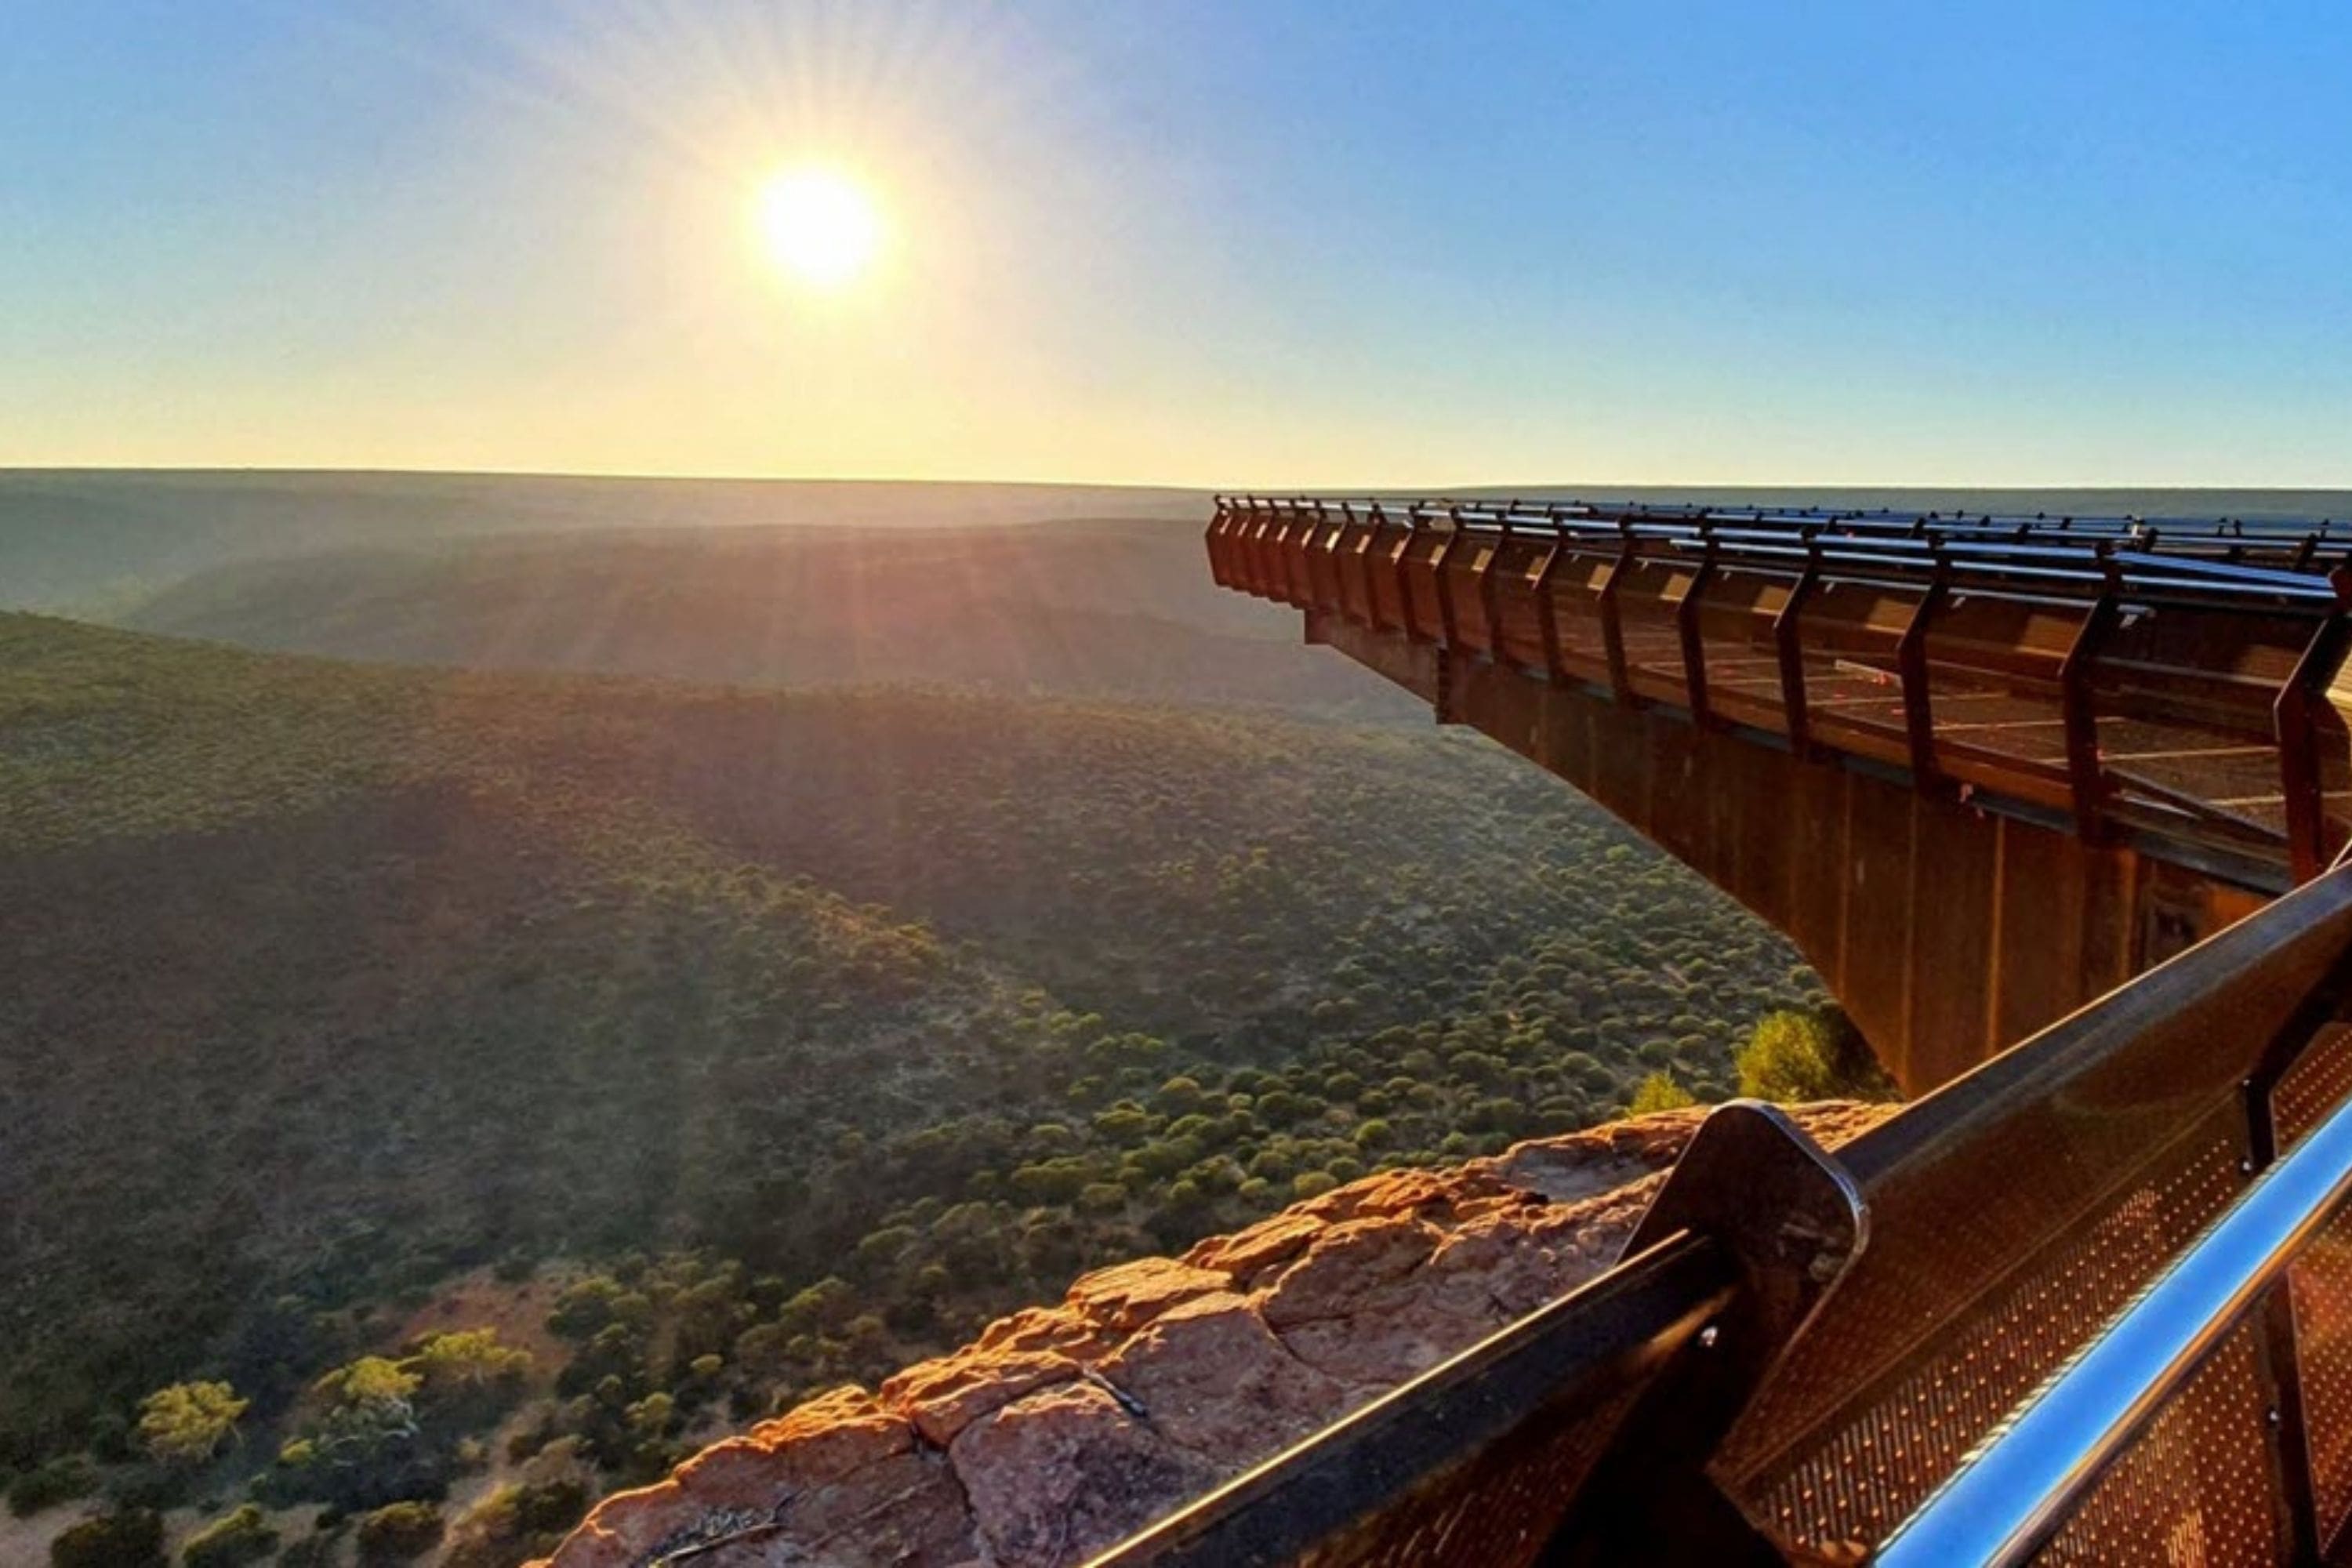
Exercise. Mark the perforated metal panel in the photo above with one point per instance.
(2196, 1490)
(2316, 1085)
(1858, 1475)
(2319, 1285)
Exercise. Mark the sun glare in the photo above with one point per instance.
(820, 225)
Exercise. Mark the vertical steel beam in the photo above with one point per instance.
(1612, 626)
(1257, 578)
(2293, 717)
(1489, 590)
(1548, 612)
(1404, 578)
(1694, 646)
(1323, 560)
(1788, 646)
(1447, 630)
(2085, 780)
(1361, 554)
(1911, 664)
(1285, 553)
(1296, 587)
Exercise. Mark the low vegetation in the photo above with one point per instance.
(794, 1036)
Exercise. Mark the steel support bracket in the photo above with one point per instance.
(1753, 1181)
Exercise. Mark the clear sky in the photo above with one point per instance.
(1249, 243)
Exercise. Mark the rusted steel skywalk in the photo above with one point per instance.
(1757, 687)
(2089, 1303)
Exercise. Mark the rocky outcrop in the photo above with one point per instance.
(1063, 1429)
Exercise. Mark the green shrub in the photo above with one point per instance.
(398, 1532)
(60, 1480)
(131, 1538)
(1659, 1091)
(187, 1423)
(232, 1541)
(1794, 1057)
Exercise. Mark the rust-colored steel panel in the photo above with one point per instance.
(1954, 880)
(1880, 861)
(1945, 931)
(1984, 816)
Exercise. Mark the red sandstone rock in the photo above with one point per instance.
(1066, 1473)
(943, 1397)
(1346, 1263)
(1062, 1327)
(1066, 1428)
(837, 1481)
(1133, 1294)
(1211, 1378)
(1246, 1253)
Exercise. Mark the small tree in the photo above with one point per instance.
(1794, 1057)
(1659, 1091)
(468, 1377)
(187, 1423)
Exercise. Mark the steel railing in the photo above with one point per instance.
(2210, 650)
(2091, 1303)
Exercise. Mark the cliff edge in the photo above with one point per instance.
(1063, 1429)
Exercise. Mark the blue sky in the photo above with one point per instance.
(1256, 244)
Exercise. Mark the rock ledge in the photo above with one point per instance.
(1063, 1429)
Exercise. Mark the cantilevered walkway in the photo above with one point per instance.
(2088, 1303)
(1980, 768)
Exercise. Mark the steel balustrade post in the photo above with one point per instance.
(1489, 592)
(1342, 551)
(1254, 549)
(2085, 779)
(1447, 630)
(1302, 577)
(1277, 563)
(1547, 609)
(1311, 551)
(1612, 628)
(2293, 717)
(1323, 561)
(1694, 646)
(1362, 556)
(1911, 665)
(1788, 646)
(1404, 579)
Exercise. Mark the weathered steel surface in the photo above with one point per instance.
(1947, 931)
(1981, 771)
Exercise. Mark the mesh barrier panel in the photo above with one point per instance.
(2316, 1085)
(1497, 1509)
(1859, 1474)
(2196, 1489)
(2320, 1284)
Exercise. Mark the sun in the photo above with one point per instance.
(820, 225)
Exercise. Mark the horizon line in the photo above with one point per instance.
(1272, 492)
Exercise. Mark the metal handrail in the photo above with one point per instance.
(2019, 1489)
(2176, 560)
